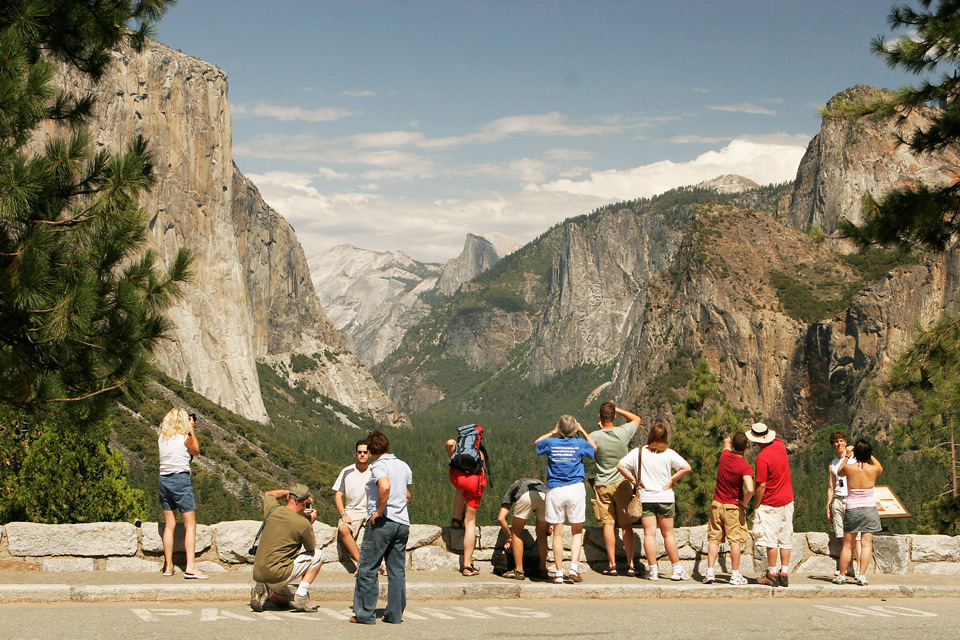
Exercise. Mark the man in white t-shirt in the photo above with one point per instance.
(350, 496)
(837, 491)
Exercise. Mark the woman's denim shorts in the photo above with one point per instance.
(176, 492)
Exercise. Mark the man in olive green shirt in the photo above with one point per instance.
(612, 491)
(287, 552)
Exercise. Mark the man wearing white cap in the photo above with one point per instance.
(774, 503)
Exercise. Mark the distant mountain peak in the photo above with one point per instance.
(729, 183)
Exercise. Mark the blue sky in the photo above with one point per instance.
(406, 125)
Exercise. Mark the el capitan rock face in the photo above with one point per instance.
(251, 297)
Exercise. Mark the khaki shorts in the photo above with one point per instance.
(659, 509)
(303, 562)
(727, 522)
(529, 502)
(837, 509)
(356, 527)
(610, 505)
(774, 526)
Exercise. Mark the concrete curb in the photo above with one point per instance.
(50, 593)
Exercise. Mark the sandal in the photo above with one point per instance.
(197, 575)
(456, 523)
(513, 574)
(610, 571)
(632, 572)
(469, 572)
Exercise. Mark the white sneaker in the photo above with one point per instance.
(653, 573)
(840, 580)
(679, 574)
(862, 580)
(710, 578)
(737, 579)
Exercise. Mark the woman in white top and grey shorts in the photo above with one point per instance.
(178, 444)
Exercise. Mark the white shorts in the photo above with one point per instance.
(567, 503)
(303, 562)
(774, 526)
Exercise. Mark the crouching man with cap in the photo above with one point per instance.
(287, 552)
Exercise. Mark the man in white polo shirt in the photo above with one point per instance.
(350, 496)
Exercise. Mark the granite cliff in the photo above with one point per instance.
(252, 297)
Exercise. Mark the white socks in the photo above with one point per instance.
(303, 589)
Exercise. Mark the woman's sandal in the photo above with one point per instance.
(632, 572)
(456, 523)
(610, 571)
(513, 574)
(469, 572)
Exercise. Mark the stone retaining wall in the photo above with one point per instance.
(224, 547)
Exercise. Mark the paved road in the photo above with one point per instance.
(900, 618)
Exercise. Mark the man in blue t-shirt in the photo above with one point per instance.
(566, 494)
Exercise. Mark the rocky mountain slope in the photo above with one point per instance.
(373, 298)
(252, 297)
(848, 159)
(626, 299)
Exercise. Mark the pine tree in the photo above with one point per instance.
(930, 371)
(922, 215)
(704, 418)
(81, 300)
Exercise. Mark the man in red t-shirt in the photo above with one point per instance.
(774, 502)
(728, 511)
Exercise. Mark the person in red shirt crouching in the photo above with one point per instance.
(774, 503)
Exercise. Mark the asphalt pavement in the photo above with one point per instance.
(104, 586)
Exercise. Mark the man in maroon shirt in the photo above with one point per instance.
(774, 502)
(728, 512)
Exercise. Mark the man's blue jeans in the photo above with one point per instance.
(384, 540)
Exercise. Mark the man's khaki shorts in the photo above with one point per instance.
(610, 504)
(528, 503)
(356, 527)
(838, 509)
(303, 562)
(727, 522)
(774, 526)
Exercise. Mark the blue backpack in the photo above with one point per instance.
(469, 455)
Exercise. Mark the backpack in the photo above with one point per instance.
(469, 455)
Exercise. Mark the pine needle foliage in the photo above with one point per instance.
(81, 298)
(704, 418)
(930, 370)
(921, 215)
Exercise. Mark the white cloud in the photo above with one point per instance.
(434, 229)
(428, 230)
(358, 94)
(763, 160)
(743, 107)
(697, 139)
(262, 110)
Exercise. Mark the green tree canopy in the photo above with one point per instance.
(704, 418)
(930, 371)
(81, 299)
(922, 215)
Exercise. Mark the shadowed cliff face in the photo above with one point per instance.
(252, 296)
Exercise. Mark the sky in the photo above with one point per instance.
(405, 125)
